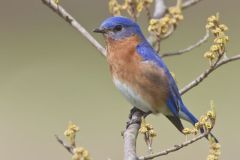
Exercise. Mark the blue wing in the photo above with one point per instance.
(174, 101)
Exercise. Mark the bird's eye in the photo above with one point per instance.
(117, 28)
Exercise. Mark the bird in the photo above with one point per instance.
(140, 74)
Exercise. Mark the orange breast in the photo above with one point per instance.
(127, 66)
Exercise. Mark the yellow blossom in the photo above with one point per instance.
(211, 157)
(213, 18)
(197, 125)
(162, 26)
(215, 48)
(203, 120)
(223, 27)
(140, 7)
(194, 131)
(56, 1)
(216, 146)
(174, 10)
(143, 130)
(210, 114)
(221, 40)
(70, 133)
(214, 151)
(208, 125)
(152, 133)
(114, 7)
(186, 131)
(178, 17)
(210, 25)
(210, 55)
(80, 153)
(217, 31)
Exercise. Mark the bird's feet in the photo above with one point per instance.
(135, 116)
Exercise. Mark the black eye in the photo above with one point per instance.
(117, 28)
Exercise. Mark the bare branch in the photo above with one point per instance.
(180, 52)
(205, 74)
(190, 3)
(174, 148)
(160, 9)
(73, 22)
(67, 147)
(130, 136)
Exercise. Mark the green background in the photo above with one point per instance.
(50, 74)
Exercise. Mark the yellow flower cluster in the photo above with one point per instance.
(114, 7)
(161, 27)
(147, 129)
(71, 131)
(214, 151)
(56, 1)
(206, 122)
(133, 7)
(80, 153)
(218, 30)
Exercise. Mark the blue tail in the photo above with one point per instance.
(187, 115)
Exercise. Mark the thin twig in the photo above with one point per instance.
(180, 52)
(67, 147)
(160, 10)
(148, 13)
(72, 21)
(189, 3)
(205, 74)
(174, 148)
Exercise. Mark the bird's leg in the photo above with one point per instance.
(132, 111)
(135, 116)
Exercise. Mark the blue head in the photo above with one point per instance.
(119, 28)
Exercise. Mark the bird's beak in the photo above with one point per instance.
(97, 30)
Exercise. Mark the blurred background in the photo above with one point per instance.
(50, 74)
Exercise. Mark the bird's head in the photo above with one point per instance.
(118, 28)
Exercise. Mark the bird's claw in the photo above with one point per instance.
(136, 120)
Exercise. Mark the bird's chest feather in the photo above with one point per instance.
(142, 83)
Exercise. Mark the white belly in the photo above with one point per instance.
(134, 98)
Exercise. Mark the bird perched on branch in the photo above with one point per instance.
(139, 72)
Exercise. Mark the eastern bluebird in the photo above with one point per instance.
(140, 74)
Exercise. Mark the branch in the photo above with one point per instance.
(190, 3)
(205, 74)
(159, 9)
(180, 52)
(67, 147)
(130, 136)
(73, 22)
(174, 148)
